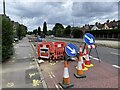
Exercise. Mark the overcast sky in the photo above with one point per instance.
(33, 13)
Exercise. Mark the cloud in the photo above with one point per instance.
(35, 12)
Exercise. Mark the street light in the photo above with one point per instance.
(4, 7)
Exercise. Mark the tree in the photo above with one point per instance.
(39, 31)
(57, 29)
(67, 30)
(35, 31)
(76, 32)
(50, 32)
(45, 28)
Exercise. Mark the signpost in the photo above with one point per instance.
(89, 39)
(71, 50)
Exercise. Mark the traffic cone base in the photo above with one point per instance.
(65, 86)
(85, 68)
(66, 81)
(91, 65)
(79, 76)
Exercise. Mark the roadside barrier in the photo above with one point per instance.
(87, 59)
(79, 73)
(92, 46)
(66, 78)
(59, 50)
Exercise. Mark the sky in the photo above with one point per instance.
(33, 13)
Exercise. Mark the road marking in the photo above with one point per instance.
(60, 87)
(36, 83)
(94, 58)
(52, 74)
(57, 86)
(11, 84)
(116, 66)
(115, 53)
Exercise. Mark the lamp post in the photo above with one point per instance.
(4, 7)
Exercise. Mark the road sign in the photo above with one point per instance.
(71, 50)
(89, 39)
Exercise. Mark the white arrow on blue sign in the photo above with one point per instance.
(89, 39)
(71, 50)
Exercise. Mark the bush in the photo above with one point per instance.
(7, 38)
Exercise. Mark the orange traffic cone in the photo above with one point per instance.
(66, 79)
(83, 66)
(87, 59)
(79, 73)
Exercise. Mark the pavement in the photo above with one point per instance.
(108, 43)
(21, 71)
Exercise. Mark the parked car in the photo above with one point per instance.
(16, 39)
(52, 36)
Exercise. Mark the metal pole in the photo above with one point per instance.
(4, 7)
(97, 54)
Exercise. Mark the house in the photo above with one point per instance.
(105, 26)
(95, 28)
(85, 28)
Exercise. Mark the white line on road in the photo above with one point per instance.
(52, 74)
(116, 66)
(114, 53)
(94, 58)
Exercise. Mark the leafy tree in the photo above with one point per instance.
(35, 31)
(57, 29)
(67, 30)
(45, 28)
(50, 32)
(39, 31)
(76, 32)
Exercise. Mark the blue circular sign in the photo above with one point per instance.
(89, 39)
(71, 50)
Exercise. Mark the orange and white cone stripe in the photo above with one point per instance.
(66, 78)
(79, 73)
(79, 68)
(81, 57)
(87, 61)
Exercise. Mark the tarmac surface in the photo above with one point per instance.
(101, 75)
(21, 71)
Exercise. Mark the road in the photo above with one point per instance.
(21, 70)
(102, 75)
(106, 54)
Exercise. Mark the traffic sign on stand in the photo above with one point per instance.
(89, 39)
(71, 50)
